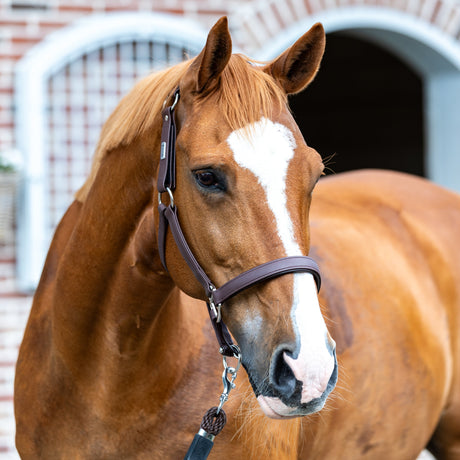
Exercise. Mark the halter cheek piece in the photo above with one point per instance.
(168, 216)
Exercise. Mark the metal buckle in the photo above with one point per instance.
(216, 309)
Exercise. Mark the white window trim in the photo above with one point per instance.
(32, 73)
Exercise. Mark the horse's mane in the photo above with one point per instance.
(245, 94)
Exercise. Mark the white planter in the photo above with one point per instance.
(8, 187)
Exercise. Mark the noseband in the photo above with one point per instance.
(169, 217)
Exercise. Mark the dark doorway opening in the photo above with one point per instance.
(363, 110)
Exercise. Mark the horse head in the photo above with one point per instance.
(244, 183)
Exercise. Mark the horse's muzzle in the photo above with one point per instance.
(285, 396)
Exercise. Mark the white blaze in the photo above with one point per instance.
(267, 153)
(266, 149)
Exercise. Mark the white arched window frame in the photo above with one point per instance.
(32, 74)
(432, 53)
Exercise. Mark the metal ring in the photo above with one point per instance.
(176, 100)
(171, 197)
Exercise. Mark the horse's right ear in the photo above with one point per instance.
(209, 64)
(297, 66)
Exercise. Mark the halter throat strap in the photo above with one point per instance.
(168, 217)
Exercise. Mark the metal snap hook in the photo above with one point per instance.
(228, 378)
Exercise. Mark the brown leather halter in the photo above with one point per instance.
(169, 215)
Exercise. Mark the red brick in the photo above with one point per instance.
(48, 24)
(13, 56)
(436, 9)
(175, 11)
(13, 23)
(23, 40)
(213, 12)
(76, 8)
(133, 5)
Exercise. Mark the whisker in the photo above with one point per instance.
(328, 161)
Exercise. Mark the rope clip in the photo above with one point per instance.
(228, 377)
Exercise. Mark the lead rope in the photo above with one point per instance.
(214, 419)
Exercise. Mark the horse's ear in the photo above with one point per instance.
(210, 63)
(297, 66)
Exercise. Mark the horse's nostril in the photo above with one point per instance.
(282, 377)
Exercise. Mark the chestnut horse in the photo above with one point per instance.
(119, 360)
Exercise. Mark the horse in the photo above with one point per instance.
(119, 358)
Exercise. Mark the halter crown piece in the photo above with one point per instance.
(169, 217)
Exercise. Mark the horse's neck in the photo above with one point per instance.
(107, 294)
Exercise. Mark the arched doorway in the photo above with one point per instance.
(364, 109)
(427, 49)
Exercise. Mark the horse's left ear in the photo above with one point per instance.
(297, 66)
(209, 64)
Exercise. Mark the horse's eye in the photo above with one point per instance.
(209, 180)
(206, 178)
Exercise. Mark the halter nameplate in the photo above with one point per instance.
(169, 218)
